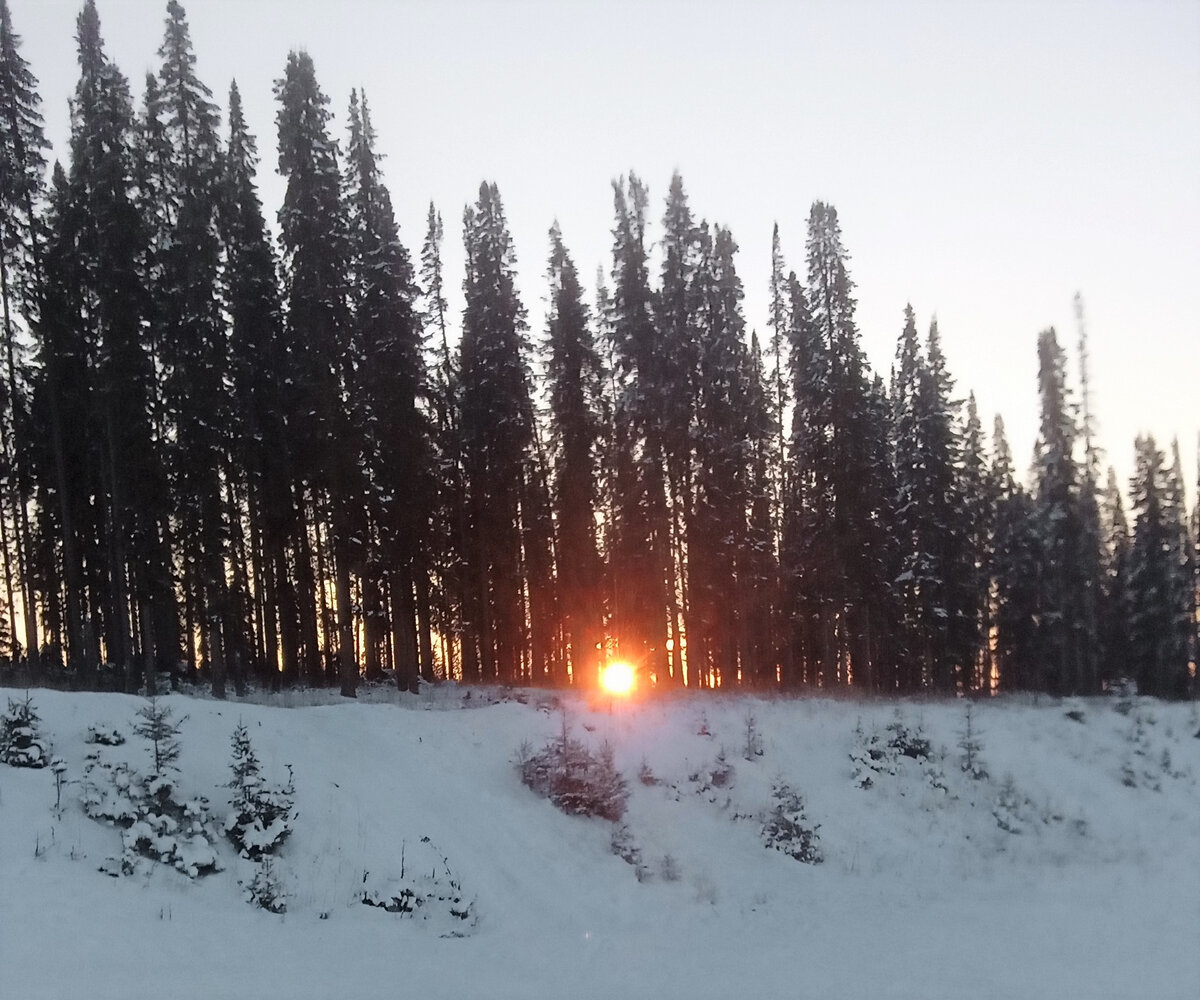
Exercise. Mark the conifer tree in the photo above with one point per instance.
(758, 570)
(978, 515)
(1015, 563)
(912, 532)
(194, 342)
(64, 466)
(807, 551)
(498, 450)
(1180, 555)
(389, 382)
(643, 604)
(673, 383)
(852, 620)
(259, 374)
(777, 373)
(1114, 603)
(1158, 643)
(1068, 648)
(717, 545)
(448, 527)
(574, 377)
(111, 243)
(22, 164)
(313, 233)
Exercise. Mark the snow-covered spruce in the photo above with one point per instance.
(266, 889)
(1011, 810)
(21, 740)
(577, 780)
(156, 825)
(873, 755)
(786, 828)
(971, 745)
(260, 816)
(158, 727)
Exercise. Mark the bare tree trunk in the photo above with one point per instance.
(347, 667)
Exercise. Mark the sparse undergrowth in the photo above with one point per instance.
(425, 889)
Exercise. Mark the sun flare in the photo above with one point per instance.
(617, 678)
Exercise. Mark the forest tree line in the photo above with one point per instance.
(276, 458)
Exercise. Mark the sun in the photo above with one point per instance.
(617, 678)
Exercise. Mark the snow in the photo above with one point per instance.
(921, 892)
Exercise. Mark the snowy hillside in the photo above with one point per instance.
(1069, 867)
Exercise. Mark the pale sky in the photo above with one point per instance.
(987, 159)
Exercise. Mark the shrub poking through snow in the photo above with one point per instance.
(426, 889)
(105, 736)
(786, 828)
(21, 741)
(260, 817)
(579, 781)
(59, 767)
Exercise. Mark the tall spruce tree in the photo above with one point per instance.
(717, 543)
(777, 372)
(978, 513)
(1114, 603)
(389, 383)
(111, 243)
(327, 451)
(642, 604)
(22, 165)
(501, 476)
(912, 530)
(193, 349)
(856, 592)
(1015, 565)
(673, 383)
(65, 470)
(758, 567)
(807, 552)
(1181, 594)
(1158, 646)
(1069, 652)
(574, 381)
(259, 376)
(448, 523)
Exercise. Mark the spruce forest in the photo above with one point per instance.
(243, 448)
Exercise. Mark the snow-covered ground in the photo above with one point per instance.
(921, 894)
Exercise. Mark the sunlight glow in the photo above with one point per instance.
(617, 678)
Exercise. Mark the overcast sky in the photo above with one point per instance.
(987, 160)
